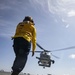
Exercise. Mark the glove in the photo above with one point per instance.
(32, 53)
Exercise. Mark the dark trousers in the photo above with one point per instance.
(21, 48)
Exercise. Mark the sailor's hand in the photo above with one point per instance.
(32, 53)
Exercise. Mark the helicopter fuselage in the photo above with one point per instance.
(44, 60)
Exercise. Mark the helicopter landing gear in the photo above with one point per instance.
(44, 67)
(38, 62)
(53, 61)
(49, 64)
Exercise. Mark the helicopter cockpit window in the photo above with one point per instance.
(44, 56)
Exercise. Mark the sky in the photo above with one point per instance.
(55, 26)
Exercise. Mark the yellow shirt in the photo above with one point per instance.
(27, 31)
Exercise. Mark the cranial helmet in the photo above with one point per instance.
(28, 18)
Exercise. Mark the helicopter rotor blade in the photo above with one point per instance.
(37, 51)
(40, 46)
(67, 48)
(55, 56)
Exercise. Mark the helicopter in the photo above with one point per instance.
(45, 56)
(45, 59)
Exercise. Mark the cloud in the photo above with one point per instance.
(66, 74)
(71, 13)
(63, 9)
(6, 28)
(72, 56)
(40, 5)
(15, 5)
(59, 7)
(67, 25)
